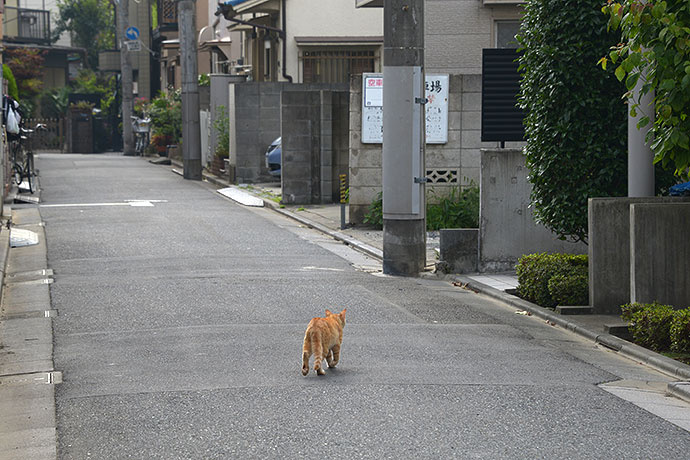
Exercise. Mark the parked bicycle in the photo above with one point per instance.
(141, 128)
(21, 152)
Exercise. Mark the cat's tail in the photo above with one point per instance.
(306, 353)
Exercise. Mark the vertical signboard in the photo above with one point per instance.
(372, 108)
(436, 93)
(436, 108)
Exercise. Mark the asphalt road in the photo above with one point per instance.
(181, 322)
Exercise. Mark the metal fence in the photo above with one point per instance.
(27, 24)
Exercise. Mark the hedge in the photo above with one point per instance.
(553, 279)
(658, 327)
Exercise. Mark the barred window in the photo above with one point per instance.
(335, 66)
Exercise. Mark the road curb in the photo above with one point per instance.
(666, 365)
(4, 249)
(347, 239)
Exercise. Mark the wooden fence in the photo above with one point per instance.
(50, 139)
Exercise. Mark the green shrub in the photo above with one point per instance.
(680, 331)
(651, 326)
(534, 272)
(629, 309)
(375, 215)
(570, 287)
(455, 210)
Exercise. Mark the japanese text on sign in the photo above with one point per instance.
(436, 109)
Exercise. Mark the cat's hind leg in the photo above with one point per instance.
(319, 353)
(335, 356)
(329, 358)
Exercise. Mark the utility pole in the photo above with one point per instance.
(191, 137)
(125, 77)
(404, 225)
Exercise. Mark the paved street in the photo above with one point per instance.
(181, 318)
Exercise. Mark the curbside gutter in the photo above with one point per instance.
(655, 360)
(347, 239)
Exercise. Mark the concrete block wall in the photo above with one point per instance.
(302, 148)
(254, 116)
(507, 229)
(609, 250)
(660, 253)
(460, 155)
(365, 176)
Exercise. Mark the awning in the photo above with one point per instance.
(369, 4)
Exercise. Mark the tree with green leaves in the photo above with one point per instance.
(27, 67)
(91, 24)
(575, 122)
(655, 49)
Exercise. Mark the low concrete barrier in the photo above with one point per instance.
(459, 249)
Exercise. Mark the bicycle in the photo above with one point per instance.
(141, 128)
(23, 159)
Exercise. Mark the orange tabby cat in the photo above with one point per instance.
(323, 339)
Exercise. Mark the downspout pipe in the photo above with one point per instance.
(285, 74)
(228, 14)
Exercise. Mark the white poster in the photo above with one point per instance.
(436, 93)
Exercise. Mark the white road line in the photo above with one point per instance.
(132, 203)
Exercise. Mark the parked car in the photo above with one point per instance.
(273, 154)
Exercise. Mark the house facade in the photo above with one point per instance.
(27, 24)
(305, 41)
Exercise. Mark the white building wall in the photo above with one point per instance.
(327, 18)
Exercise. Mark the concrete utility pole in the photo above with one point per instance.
(640, 155)
(125, 78)
(404, 225)
(191, 137)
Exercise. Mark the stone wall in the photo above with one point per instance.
(660, 250)
(609, 250)
(507, 229)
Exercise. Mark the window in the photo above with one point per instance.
(335, 66)
(505, 34)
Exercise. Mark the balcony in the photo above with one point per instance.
(24, 25)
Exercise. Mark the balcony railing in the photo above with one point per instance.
(22, 24)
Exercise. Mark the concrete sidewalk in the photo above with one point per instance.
(27, 374)
(327, 219)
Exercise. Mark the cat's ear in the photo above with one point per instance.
(328, 312)
(342, 313)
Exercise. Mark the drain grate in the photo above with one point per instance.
(40, 378)
(31, 314)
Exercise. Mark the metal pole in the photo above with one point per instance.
(404, 225)
(126, 78)
(640, 155)
(191, 137)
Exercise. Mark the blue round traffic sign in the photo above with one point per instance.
(132, 33)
